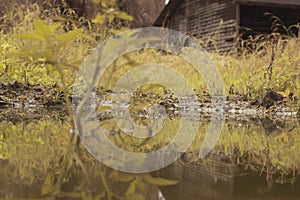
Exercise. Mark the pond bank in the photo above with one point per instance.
(26, 96)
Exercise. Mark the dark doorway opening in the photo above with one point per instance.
(256, 20)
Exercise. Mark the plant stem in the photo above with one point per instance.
(102, 174)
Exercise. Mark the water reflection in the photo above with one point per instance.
(256, 158)
(221, 180)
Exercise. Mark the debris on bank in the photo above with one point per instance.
(25, 95)
(272, 103)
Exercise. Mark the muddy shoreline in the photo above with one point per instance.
(36, 97)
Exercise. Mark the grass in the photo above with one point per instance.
(247, 75)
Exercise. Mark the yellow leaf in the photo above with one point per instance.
(67, 37)
(287, 91)
(30, 36)
(47, 186)
(103, 4)
(99, 19)
(125, 16)
(131, 189)
(297, 93)
(140, 184)
(48, 55)
(130, 33)
(153, 87)
(54, 27)
(118, 31)
(42, 29)
(121, 177)
(159, 181)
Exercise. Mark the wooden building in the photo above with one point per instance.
(224, 21)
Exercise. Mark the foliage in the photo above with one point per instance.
(21, 141)
(248, 76)
(111, 20)
(39, 57)
(52, 43)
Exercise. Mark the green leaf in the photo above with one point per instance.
(99, 19)
(118, 31)
(104, 4)
(30, 36)
(121, 177)
(67, 37)
(151, 87)
(130, 33)
(140, 184)
(159, 181)
(47, 186)
(48, 55)
(125, 16)
(131, 189)
(42, 29)
(54, 27)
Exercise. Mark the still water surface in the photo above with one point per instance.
(255, 158)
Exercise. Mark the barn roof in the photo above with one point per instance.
(171, 7)
(271, 2)
(167, 12)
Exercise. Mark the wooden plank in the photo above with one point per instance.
(204, 20)
(214, 28)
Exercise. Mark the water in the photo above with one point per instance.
(200, 183)
(255, 158)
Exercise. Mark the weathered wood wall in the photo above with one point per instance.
(144, 12)
(214, 19)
